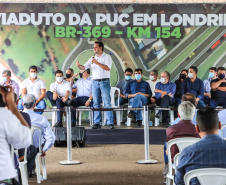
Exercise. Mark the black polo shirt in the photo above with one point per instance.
(218, 94)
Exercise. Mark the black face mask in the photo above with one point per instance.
(182, 76)
(80, 74)
(68, 75)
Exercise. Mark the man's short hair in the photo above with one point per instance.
(136, 70)
(213, 68)
(29, 101)
(129, 70)
(33, 67)
(8, 72)
(100, 44)
(186, 110)
(207, 119)
(189, 97)
(194, 68)
(220, 68)
(88, 71)
(155, 71)
(167, 74)
(59, 71)
(2, 103)
(72, 70)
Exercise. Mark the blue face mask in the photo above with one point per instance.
(138, 77)
(221, 76)
(127, 77)
(211, 75)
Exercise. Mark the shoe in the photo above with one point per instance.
(32, 173)
(96, 126)
(58, 124)
(131, 114)
(139, 123)
(158, 115)
(167, 125)
(111, 126)
(114, 122)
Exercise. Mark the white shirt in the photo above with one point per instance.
(12, 132)
(152, 85)
(62, 88)
(84, 87)
(34, 87)
(98, 72)
(47, 133)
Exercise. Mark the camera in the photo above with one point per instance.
(4, 88)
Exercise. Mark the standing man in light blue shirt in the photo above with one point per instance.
(48, 137)
(84, 92)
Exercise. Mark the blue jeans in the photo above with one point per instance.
(80, 101)
(58, 102)
(165, 156)
(40, 105)
(121, 102)
(101, 89)
(218, 102)
(138, 101)
(201, 104)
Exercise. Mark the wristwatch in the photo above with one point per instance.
(89, 100)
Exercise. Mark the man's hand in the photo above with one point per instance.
(94, 61)
(75, 75)
(77, 63)
(123, 96)
(87, 103)
(64, 99)
(171, 95)
(167, 152)
(43, 154)
(197, 99)
(55, 96)
(37, 101)
(153, 101)
(156, 90)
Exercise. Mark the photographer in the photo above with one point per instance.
(14, 131)
(59, 95)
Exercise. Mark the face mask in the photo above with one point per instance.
(182, 76)
(68, 75)
(138, 77)
(211, 75)
(190, 75)
(59, 79)
(152, 77)
(33, 75)
(221, 76)
(162, 80)
(80, 74)
(4, 79)
(127, 77)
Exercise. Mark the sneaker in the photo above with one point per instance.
(58, 124)
(131, 114)
(111, 126)
(139, 123)
(96, 126)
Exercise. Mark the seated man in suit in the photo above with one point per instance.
(164, 93)
(138, 92)
(209, 152)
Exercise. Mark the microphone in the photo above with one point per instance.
(93, 57)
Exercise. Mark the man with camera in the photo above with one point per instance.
(14, 131)
(59, 95)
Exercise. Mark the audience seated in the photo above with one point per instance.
(36, 86)
(14, 131)
(209, 152)
(84, 93)
(152, 82)
(138, 92)
(177, 95)
(218, 89)
(164, 93)
(6, 74)
(59, 95)
(48, 137)
(194, 85)
(207, 88)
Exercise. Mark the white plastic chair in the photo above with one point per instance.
(23, 169)
(181, 144)
(90, 115)
(54, 116)
(222, 131)
(171, 112)
(112, 93)
(207, 176)
(176, 161)
(37, 159)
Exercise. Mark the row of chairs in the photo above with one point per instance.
(38, 160)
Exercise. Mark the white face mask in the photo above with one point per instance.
(152, 77)
(4, 79)
(59, 79)
(162, 80)
(190, 75)
(33, 75)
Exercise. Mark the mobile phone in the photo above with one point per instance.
(4, 88)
